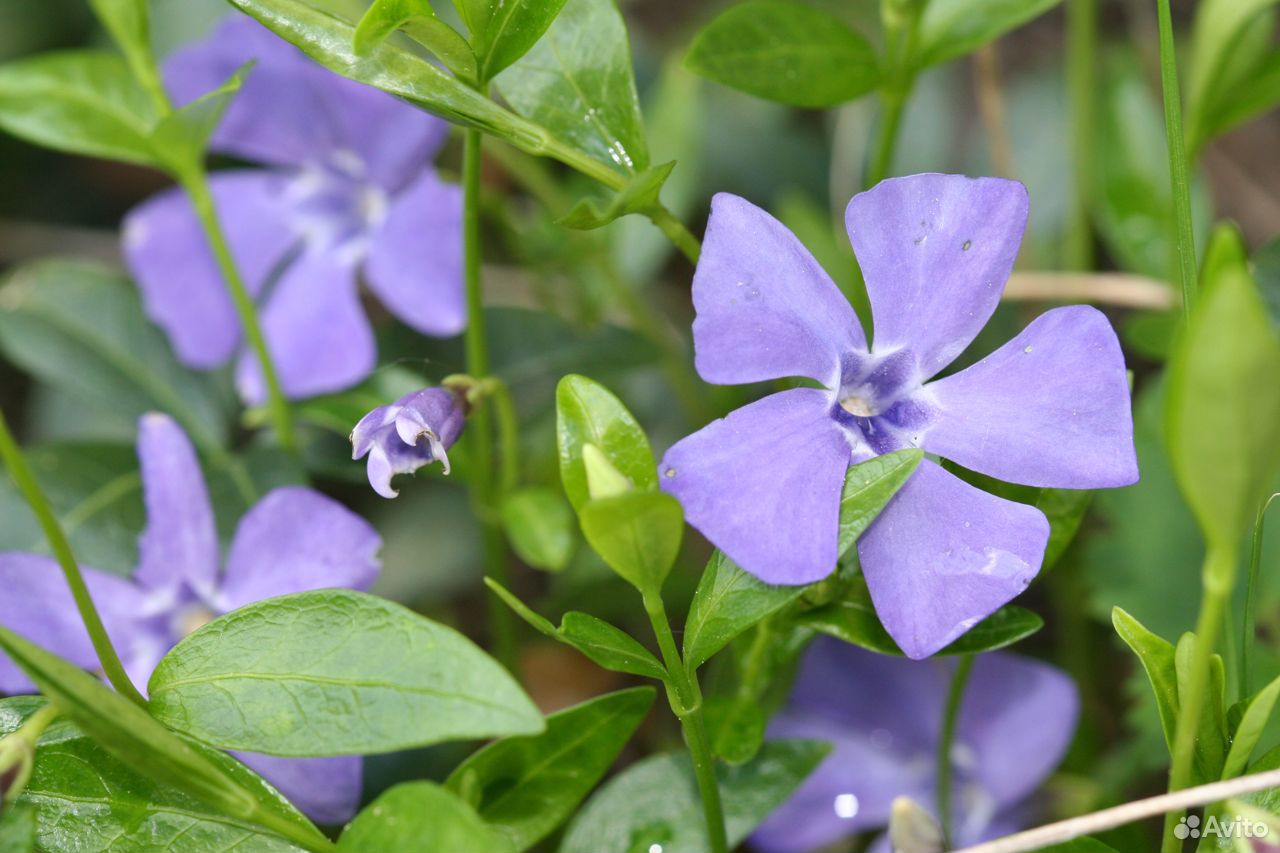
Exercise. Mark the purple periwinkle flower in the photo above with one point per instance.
(414, 431)
(294, 539)
(349, 193)
(1049, 408)
(883, 717)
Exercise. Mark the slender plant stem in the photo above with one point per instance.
(484, 486)
(508, 436)
(1250, 591)
(686, 692)
(22, 476)
(196, 183)
(1082, 83)
(1218, 570)
(1178, 168)
(676, 233)
(892, 104)
(955, 696)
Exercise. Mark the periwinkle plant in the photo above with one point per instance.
(193, 658)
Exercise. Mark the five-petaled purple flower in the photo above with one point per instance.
(1050, 408)
(413, 431)
(883, 716)
(294, 539)
(349, 190)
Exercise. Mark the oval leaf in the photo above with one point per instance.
(868, 488)
(334, 672)
(638, 534)
(420, 817)
(539, 525)
(586, 412)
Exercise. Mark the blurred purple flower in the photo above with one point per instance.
(1050, 408)
(883, 716)
(413, 431)
(349, 189)
(292, 540)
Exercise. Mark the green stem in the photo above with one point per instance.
(196, 183)
(1178, 170)
(26, 482)
(1082, 83)
(955, 695)
(686, 702)
(481, 427)
(676, 233)
(1218, 570)
(892, 104)
(508, 436)
(1250, 590)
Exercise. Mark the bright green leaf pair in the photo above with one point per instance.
(1235, 67)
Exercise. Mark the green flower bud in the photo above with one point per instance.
(603, 480)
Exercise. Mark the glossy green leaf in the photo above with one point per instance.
(852, 618)
(82, 328)
(1065, 510)
(953, 28)
(1212, 736)
(129, 25)
(655, 801)
(420, 817)
(506, 31)
(787, 52)
(736, 725)
(360, 674)
(420, 23)
(577, 82)
(539, 525)
(1222, 409)
(147, 748)
(868, 487)
(181, 138)
(527, 786)
(587, 412)
(637, 534)
(81, 102)
(18, 829)
(1157, 657)
(1257, 713)
(640, 195)
(727, 602)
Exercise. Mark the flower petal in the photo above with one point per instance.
(943, 555)
(935, 251)
(765, 308)
(167, 253)
(296, 539)
(327, 790)
(181, 539)
(37, 604)
(764, 484)
(1049, 408)
(316, 330)
(415, 258)
(1018, 718)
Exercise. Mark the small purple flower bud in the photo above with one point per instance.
(415, 430)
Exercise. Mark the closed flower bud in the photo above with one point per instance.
(414, 431)
(17, 756)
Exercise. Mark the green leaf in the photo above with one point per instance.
(360, 674)
(128, 23)
(1157, 657)
(1257, 713)
(1222, 409)
(419, 22)
(539, 525)
(655, 801)
(81, 328)
(146, 747)
(18, 829)
(638, 534)
(603, 480)
(787, 52)
(1211, 739)
(640, 195)
(1065, 509)
(868, 487)
(181, 138)
(1228, 38)
(577, 82)
(1254, 95)
(527, 786)
(852, 618)
(736, 725)
(953, 28)
(728, 601)
(420, 817)
(586, 412)
(509, 29)
(80, 101)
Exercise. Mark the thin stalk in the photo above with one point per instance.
(1178, 169)
(1219, 564)
(484, 487)
(508, 436)
(1250, 591)
(196, 184)
(686, 702)
(892, 105)
(20, 471)
(676, 233)
(955, 696)
(1082, 83)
